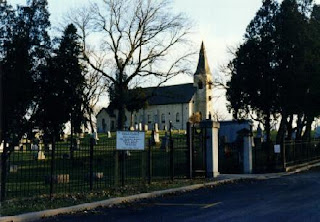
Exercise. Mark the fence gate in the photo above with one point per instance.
(230, 157)
(198, 152)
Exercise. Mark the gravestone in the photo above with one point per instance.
(131, 128)
(156, 134)
(16, 148)
(145, 128)
(165, 128)
(60, 178)
(95, 175)
(13, 169)
(140, 126)
(1, 146)
(137, 127)
(40, 155)
(156, 127)
(95, 136)
(109, 134)
(23, 147)
(34, 147)
(165, 142)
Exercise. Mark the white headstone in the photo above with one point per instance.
(1, 146)
(109, 134)
(140, 126)
(131, 128)
(16, 148)
(13, 169)
(34, 147)
(145, 128)
(95, 136)
(41, 156)
(156, 127)
(137, 126)
(156, 137)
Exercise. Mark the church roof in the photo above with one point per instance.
(108, 110)
(175, 94)
(203, 66)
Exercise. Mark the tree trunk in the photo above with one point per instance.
(282, 128)
(300, 125)
(122, 107)
(71, 139)
(267, 127)
(91, 121)
(289, 127)
(307, 134)
(131, 119)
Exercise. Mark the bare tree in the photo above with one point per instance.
(137, 39)
(218, 115)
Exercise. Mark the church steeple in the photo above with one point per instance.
(203, 66)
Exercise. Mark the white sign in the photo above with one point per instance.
(130, 140)
(1, 146)
(277, 148)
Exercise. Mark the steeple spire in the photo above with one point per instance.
(203, 66)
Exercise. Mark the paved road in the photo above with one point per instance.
(290, 198)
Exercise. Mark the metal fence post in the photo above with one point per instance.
(149, 162)
(3, 171)
(171, 154)
(91, 162)
(123, 153)
(283, 154)
(52, 166)
(116, 168)
(189, 145)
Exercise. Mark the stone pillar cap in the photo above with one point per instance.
(209, 124)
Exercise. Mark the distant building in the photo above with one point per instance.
(174, 103)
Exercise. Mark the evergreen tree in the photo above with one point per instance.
(252, 88)
(61, 87)
(25, 44)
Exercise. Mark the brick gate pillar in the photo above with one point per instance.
(211, 129)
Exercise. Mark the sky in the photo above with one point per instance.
(221, 24)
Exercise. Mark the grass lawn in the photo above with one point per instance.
(30, 178)
(23, 205)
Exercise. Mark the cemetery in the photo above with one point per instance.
(94, 163)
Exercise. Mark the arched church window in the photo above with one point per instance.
(177, 117)
(200, 85)
(163, 118)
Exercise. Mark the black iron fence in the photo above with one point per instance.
(59, 167)
(266, 158)
(298, 152)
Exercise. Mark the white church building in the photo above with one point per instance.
(175, 103)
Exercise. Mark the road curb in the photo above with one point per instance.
(118, 200)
